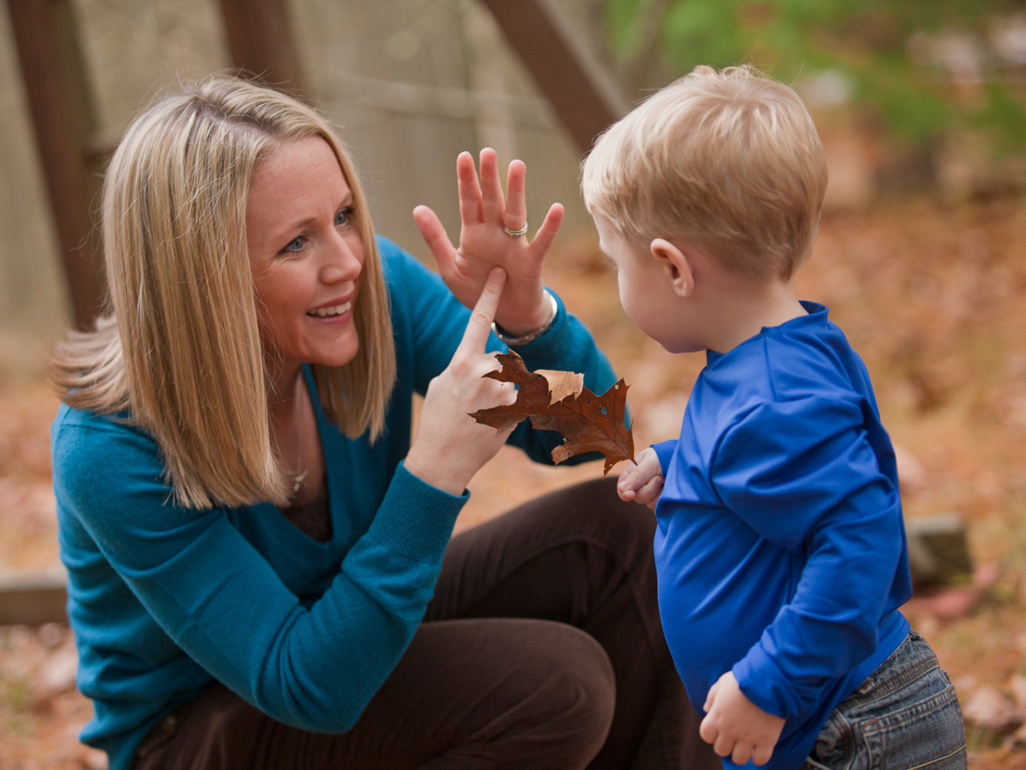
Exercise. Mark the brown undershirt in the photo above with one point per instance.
(313, 519)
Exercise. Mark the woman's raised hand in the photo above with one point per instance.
(450, 446)
(486, 215)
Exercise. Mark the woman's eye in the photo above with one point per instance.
(343, 216)
(295, 245)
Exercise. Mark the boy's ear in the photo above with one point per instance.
(675, 264)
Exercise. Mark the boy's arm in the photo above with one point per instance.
(736, 727)
(803, 475)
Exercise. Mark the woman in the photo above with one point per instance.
(257, 552)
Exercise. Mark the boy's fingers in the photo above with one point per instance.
(626, 474)
(655, 484)
(630, 479)
(762, 755)
(742, 753)
(480, 324)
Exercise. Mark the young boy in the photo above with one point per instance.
(780, 544)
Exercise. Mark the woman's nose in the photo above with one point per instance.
(342, 259)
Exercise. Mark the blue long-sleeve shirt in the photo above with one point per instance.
(164, 599)
(780, 545)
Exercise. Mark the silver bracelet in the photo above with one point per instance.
(523, 339)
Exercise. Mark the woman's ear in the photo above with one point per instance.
(676, 266)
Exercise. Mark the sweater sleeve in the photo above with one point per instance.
(222, 603)
(803, 475)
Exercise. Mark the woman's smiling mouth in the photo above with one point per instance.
(331, 310)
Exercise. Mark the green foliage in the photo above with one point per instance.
(1003, 109)
(923, 67)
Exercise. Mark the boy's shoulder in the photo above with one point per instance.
(806, 357)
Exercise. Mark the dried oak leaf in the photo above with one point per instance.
(562, 384)
(555, 400)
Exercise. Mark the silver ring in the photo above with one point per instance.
(516, 233)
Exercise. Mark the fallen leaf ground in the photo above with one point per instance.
(930, 293)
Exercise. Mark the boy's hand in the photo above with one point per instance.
(736, 727)
(642, 482)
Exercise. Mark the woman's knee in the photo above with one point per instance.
(586, 666)
(578, 687)
(559, 694)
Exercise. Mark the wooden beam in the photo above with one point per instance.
(33, 597)
(260, 41)
(53, 74)
(571, 78)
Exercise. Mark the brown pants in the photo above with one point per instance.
(541, 649)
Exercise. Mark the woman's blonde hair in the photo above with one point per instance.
(181, 348)
(728, 161)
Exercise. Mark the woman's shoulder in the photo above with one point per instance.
(84, 442)
(73, 419)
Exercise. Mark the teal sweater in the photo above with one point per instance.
(163, 599)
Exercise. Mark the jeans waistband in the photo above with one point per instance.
(912, 659)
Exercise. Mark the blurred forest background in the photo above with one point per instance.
(922, 108)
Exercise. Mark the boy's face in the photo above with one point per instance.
(646, 292)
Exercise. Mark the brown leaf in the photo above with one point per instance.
(588, 423)
(562, 384)
(532, 394)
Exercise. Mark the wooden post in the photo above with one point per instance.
(260, 41)
(53, 73)
(571, 78)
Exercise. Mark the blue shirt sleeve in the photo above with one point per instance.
(802, 473)
(664, 451)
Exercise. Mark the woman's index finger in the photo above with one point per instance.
(480, 324)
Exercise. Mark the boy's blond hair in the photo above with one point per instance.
(729, 162)
(181, 348)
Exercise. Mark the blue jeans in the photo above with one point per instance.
(905, 715)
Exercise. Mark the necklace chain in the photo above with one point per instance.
(298, 476)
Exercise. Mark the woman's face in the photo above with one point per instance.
(306, 255)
